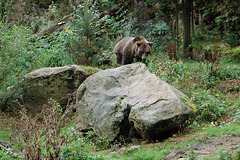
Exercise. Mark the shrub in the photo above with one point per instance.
(237, 115)
(228, 72)
(171, 71)
(79, 149)
(19, 56)
(226, 154)
(89, 38)
(41, 136)
(14, 60)
(209, 107)
(235, 53)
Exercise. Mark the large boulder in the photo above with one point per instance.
(58, 83)
(129, 101)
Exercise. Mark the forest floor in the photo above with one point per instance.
(205, 142)
(207, 147)
(199, 142)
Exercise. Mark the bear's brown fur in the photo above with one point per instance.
(130, 47)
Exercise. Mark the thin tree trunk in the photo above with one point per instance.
(177, 9)
(187, 26)
(192, 19)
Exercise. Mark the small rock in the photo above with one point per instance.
(145, 142)
(133, 148)
(121, 151)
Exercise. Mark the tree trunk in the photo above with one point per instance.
(177, 33)
(187, 26)
(192, 12)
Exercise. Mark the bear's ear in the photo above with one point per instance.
(138, 38)
(150, 44)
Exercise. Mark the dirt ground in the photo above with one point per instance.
(208, 147)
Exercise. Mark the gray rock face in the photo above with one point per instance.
(57, 83)
(129, 101)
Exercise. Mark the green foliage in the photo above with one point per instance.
(228, 72)
(222, 19)
(192, 155)
(194, 80)
(82, 147)
(88, 33)
(152, 30)
(42, 4)
(119, 25)
(98, 142)
(172, 71)
(5, 156)
(237, 115)
(224, 155)
(5, 8)
(19, 56)
(52, 51)
(89, 39)
(235, 53)
(79, 148)
(76, 151)
(227, 155)
(224, 130)
(142, 154)
(13, 60)
(210, 108)
(228, 22)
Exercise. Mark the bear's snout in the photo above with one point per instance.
(144, 56)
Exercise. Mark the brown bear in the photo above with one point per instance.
(130, 47)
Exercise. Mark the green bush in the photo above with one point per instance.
(226, 154)
(209, 107)
(228, 72)
(170, 71)
(91, 39)
(237, 115)
(51, 51)
(20, 56)
(79, 150)
(14, 60)
(235, 53)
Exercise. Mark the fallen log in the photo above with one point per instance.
(63, 23)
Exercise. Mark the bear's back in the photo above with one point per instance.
(125, 42)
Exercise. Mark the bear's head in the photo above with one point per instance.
(142, 47)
